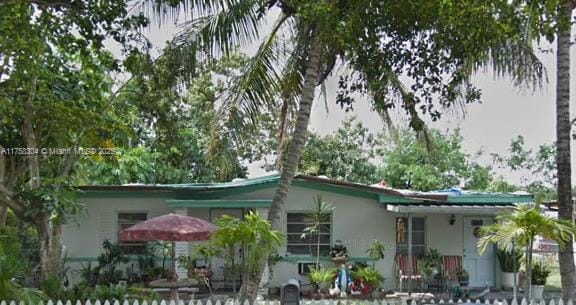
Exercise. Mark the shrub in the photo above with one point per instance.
(369, 275)
(539, 273)
(509, 261)
(319, 275)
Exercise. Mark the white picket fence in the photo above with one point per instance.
(302, 302)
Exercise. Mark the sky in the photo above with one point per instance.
(505, 111)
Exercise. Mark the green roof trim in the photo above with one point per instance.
(385, 198)
(496, 198)
(223, 203)
(212, 194)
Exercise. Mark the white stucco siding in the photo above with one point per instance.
(442, 236)
(355, 222)
(99, 222)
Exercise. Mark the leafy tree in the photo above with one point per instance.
(55, 92)
(519, 228)
(537, 168)
(411, 164)
(345, 155)
(169, 128)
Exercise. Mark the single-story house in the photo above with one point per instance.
(444, 220)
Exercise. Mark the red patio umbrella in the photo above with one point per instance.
(170, 227)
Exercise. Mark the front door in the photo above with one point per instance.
(479, 266)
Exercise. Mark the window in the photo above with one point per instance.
(296, 225)
(126, 220)
(418, 236)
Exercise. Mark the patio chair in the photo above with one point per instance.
(403, 272)
(450, 264)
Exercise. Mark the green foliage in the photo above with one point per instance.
(540, 273)
(345, 155)
(111, 292)
(410, 164)
(13, 269)
(369, 275)
(89, 274)
(510, 261)
(462, 274)
(376, 250)
(320, 275)
(252, 230)
(537, 168)
(432, 260)
(520, 227)
(109, 261)
(169, 116)
(320, 213)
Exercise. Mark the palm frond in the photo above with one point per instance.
(218, 29)
(252, 92)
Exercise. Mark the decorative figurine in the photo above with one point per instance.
(343, 280)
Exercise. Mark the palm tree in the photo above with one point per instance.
(232, 232)
(519, 228)
(563, 138)
(308, 39)
(320, 213)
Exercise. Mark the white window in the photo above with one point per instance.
(296, 225)
(126, 220)
(418, 236)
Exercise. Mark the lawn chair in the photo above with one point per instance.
(403, 272)
(450, 264)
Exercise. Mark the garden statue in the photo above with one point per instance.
(343, 280)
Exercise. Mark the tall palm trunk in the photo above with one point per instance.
(277, 210)
(565, 208)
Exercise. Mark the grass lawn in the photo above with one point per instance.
(553, 281)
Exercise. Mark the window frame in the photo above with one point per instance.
(399, 250)
(124, 245)
(311, 246)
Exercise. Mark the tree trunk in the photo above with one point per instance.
(565, 205)
(54, 251)
(3, 215)
(277, 211)
(528, 287)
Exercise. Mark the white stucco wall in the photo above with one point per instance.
(100, 222)
(355, 221)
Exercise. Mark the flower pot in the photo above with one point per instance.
(537, 291)
(463, 281)
(507, 279)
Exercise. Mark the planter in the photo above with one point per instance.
(507, 279)
(537, 291)
(463, 281)
(338, 261)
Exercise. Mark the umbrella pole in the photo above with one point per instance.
(174, 259)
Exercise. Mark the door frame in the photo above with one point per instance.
(493, 258)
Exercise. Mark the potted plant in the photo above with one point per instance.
(367, 279)
(509, 265)
(463, 276)
(430, 264)
(539, 275)
(322, 277)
